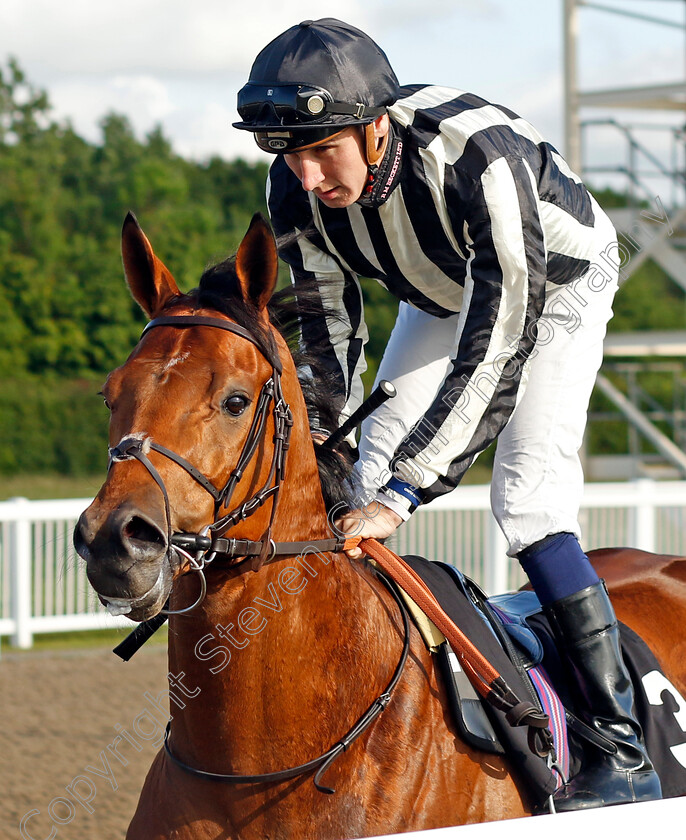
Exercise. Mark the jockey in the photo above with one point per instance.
(505, 268)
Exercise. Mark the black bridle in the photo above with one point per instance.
(206, 548)
(201, 549)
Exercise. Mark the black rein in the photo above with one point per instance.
(323, 762)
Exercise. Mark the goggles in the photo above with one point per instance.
(294, 105)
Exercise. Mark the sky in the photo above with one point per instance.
(179, 64)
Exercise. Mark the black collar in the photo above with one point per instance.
(385, 177)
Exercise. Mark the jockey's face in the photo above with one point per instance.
(336, 170)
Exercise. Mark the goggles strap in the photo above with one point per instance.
(359, 110)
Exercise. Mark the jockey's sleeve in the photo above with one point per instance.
(336, 332)
(500, 229)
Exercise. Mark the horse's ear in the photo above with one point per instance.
(149, 280)
(257, 263)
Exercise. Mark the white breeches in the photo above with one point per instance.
(537, 477)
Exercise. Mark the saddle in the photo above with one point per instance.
(512, 631)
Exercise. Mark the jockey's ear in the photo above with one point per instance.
(150, 281)
(257, 263)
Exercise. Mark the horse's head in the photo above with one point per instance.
(194, 411)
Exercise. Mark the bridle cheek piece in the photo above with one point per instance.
(201, 549)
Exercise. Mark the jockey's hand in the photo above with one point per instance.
(375, 520)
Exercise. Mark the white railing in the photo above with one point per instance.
(44, 589)
(460, 529)
(43, 584)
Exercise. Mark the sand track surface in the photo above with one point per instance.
(67, 763)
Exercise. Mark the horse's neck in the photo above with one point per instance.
(274, 660)
(279, 640)
(301, 513)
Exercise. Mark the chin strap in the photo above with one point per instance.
(374, 151)
(383, 165)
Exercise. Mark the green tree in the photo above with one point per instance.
(67, 316)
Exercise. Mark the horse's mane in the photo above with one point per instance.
(219, 290)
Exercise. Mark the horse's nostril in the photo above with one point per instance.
(139, 530)
(81, 540)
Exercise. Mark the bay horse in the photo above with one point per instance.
(281, 655)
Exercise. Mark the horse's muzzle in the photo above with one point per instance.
(127, 558)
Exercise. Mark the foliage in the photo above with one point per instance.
(67, 312)
(380, 311)
(67, 316)
(648, 300)
(50, 426)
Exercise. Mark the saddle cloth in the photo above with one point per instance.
(512, 632)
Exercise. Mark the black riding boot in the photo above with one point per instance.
(586, 629)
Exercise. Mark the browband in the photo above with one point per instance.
(220, 323)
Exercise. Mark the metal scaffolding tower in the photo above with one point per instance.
(667, 97)
(648, 165)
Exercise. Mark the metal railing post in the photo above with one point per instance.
(496, 571)
(20, 564)
(644, 536)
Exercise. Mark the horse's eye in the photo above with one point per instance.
(235, 405)
(107, 405)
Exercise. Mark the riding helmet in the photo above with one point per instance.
(312, 81)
